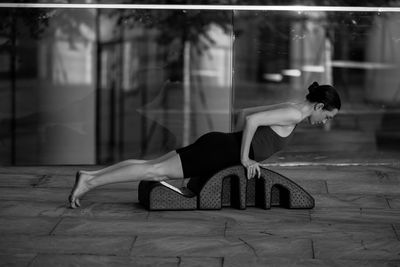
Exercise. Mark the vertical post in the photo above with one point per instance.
(121, 99)
(328, 60)
(98, 134)
(13, 86)
(232, 73)
(328, 68)
(186, 93)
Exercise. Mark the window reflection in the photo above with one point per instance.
(95, 86)
(166, 76)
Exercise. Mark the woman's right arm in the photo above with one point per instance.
(285, 116)
(243, 113)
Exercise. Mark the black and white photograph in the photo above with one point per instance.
(191, 133)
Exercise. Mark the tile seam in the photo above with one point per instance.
(54, 228)
(395, 232)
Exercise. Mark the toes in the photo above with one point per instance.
(73, 203)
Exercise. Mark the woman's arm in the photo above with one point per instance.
(282, 117)
(243, 113)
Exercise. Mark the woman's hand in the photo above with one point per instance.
(252, 167)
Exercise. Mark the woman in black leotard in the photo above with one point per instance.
(261, 131)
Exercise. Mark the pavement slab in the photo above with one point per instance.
(250, 214)
(393, 201)
(190, 246)
(350, 201)
(396, 228)
(348, 226)
(354, 215)
(221, 247)
(312, 230)
(27, 225)
(365, 187)
(31, 209)
(19, 180)
(187, 261)
(379, 249)
(327, 173)
(35, 194)
(108, 210)
(68, 181)
(314, 187)
(138, 226)
(22, 259)
(61, 195)
(17, 244)
(343, 173)
(106, 261)
(232, 261)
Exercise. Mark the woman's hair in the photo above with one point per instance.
(325, 94)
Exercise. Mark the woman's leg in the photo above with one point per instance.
(169, 168)
(129, 162)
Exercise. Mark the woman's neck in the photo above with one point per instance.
(305, 108)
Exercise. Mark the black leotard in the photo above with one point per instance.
(215, 151)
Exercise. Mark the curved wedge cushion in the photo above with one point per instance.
(274, 189)
(161, 196)
(225, 187)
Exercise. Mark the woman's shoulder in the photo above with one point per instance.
(289, 110)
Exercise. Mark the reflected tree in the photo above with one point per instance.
(177, 27)
(18, 24)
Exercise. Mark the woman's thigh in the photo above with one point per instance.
(170, 167)
(163, 157)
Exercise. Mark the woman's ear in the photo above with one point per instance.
(318, 106)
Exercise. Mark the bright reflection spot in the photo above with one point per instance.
(273, 77)
(292, 72)
(313, 68)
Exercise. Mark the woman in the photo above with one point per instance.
(262, 131)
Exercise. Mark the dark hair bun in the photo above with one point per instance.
(312, 87)
(325, 94)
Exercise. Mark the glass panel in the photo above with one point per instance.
(279, 54)
(7, 57)
(165, 79)
(53, 79)
(95, 86)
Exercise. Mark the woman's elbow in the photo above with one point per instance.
(251, 121)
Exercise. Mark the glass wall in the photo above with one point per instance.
(278, 55)
(48, 86)
(96, 86)
(165, 78)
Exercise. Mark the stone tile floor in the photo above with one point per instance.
(356, 222)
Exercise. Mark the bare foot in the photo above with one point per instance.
(81, 186)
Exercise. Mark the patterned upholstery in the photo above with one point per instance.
(274, 189)
(251, 200)
(216, 191)
(156, 196)
(228, 187)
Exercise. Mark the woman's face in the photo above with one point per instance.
(320, 115)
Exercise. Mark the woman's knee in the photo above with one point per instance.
(154, 172)
(169, 168)
(135, 161)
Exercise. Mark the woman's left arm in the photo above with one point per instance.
(283, 116)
